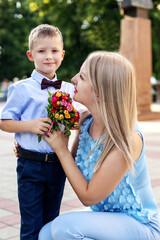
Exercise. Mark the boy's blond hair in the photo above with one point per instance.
(113, 79)
(43, 30)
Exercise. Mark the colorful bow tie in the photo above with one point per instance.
(45, 83)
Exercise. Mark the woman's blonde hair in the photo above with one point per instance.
(113, 79)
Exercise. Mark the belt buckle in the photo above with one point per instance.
(46, 157)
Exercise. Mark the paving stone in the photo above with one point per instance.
(9, 211)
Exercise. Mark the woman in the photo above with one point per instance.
(109, 172)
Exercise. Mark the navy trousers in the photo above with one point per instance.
(40, 190)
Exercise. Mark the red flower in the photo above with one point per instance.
(64, 97)
(72, 120)
(61, 111)
(55, 99)
(77, 114)
(76, 119)
(55, 105)
(53, 110)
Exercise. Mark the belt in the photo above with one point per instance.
(37, 156)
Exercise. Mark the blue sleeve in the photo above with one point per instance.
(138, 127)
(12, 109)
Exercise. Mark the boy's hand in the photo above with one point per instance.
(40, 126)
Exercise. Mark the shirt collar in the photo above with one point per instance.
(38, 77)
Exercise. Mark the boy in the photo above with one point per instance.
(40, 176)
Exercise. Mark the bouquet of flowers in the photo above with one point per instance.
(62, 113)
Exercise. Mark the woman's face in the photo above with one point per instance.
(83, 91)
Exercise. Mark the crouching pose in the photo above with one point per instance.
(107, 167)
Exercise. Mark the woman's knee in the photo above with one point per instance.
(58, 228)
(62, 227)
(45, 232)
(55, 229)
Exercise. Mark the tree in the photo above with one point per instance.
(86, 26)
(15, 22)
(154, 15)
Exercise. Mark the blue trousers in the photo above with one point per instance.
(97, 226)
(40, 190)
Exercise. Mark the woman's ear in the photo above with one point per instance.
(97, 99)
(29, 55)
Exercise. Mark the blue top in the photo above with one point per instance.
(133, 196)
(26, 101)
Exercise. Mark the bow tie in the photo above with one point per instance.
(45, 83)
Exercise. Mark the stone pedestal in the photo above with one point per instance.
(157, 85)
(135, 44)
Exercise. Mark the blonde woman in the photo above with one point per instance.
(109, 172)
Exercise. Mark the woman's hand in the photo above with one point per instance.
(57, 140)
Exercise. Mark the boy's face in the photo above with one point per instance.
(47, 55)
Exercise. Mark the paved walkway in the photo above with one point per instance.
(9, 211)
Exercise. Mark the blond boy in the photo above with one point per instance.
(40, 175)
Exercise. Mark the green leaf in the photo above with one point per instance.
(49, 93)
(39, 137)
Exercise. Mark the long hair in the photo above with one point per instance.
(113, 79)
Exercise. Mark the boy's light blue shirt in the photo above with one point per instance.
(26, 101)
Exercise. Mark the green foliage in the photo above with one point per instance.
(154, 15)
(86, 25)
(14, 28)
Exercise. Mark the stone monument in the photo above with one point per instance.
(135, 44)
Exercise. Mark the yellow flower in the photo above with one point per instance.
(65, 112)
(58, 94)
(56, 115)
(58, 102)
(46, 1)
(33, 6)
(67, 115)
(61, 116)
(41, 13)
